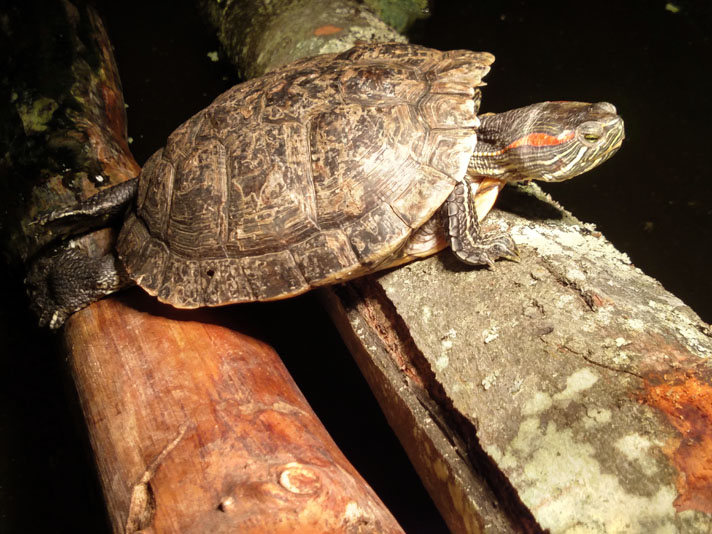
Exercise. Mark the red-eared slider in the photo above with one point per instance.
(324, 170)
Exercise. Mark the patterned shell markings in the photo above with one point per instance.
(310, 175)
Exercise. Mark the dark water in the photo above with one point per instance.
(653, 200)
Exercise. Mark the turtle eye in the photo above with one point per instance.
(590, 133)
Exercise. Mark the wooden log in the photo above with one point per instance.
(199, 428)
(195, 428)
(260, 36)
(570, 388)
(65, 134)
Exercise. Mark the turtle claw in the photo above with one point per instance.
(49, 217)
(466, 239)
(509, 250)
(502, 246)
(489, 250)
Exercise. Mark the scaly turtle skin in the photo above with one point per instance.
(330, 168)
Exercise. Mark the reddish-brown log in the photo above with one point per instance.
(198, 428)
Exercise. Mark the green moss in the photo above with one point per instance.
(399, 14)
(36, 114)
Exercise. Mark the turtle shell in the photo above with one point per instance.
(310, 175)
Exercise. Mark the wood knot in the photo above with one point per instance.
(299, 479)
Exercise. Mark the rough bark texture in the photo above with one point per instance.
(570, 384)
(260, 36)
(399, 14)
(199, 428)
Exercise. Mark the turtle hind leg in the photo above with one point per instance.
(96, 211)
(84, 269)
(466, 239)
(68, 279)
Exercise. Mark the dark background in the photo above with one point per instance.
(653, 200)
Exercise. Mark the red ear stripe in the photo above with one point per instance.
(542, 139)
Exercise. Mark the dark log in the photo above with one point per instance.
(260, 36)
(64, 136)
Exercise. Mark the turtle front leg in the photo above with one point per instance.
(466, 239)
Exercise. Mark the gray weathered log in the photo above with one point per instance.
(572, 381)
(260, 36)
(567, 391)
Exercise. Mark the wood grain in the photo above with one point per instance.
(198, 428)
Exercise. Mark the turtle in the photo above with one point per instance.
(324, 170)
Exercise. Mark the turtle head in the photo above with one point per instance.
(549, 141)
